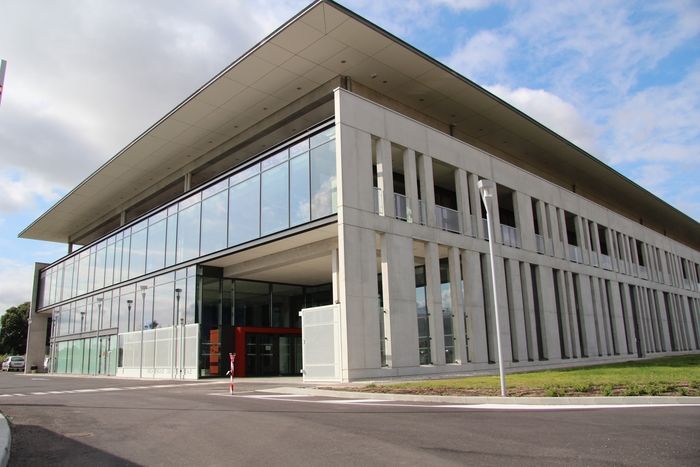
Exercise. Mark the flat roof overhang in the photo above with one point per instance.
(322, 42)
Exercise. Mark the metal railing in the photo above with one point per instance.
(643, 273)
(401, 208)
(574, 253)
(539, 243)
(605, 261)
(447, 219)
(474, 226)
(593, 255)
(511, 236)
(377, 193)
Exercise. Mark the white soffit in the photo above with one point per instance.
(322, 42)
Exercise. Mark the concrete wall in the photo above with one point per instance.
(558, 304)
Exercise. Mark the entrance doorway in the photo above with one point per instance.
(268, 351)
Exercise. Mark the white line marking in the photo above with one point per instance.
(276, 396)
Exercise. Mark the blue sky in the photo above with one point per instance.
(84, 78)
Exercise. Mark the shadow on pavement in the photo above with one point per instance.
(33, 445)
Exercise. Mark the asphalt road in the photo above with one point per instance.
(91, 421)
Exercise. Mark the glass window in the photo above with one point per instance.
(252, 303)
(287, 302)
(244, 209)
(214, 223)
(448, 328)
(155, 258)
(216, 188)
(300, 147)
(274, 160)
(299, 207)
(163, 306)
(423, 318)
(188, 233)
(170, 244)
(68, 280)
(109, 264)
(83, 264)
(323, 186)
(274, 202)
(137, 253)
(100, 260)
(245, 174)
(320, 138)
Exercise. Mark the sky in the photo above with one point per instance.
(620, 79)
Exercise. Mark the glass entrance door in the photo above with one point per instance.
(261, 350)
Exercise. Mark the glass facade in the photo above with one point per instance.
(423, 315)
(285, 188)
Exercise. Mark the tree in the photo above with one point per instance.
(13, 330)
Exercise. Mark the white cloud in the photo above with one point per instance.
(464, 4)
(483, 57)
(659, 124)
(19, 192)
(553, 112)
(16, 280)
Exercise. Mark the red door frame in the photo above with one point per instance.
(239, 337)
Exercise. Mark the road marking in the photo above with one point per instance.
(127, 388)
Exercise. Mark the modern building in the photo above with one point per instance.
(315, 208)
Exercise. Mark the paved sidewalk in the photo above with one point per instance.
(475, 400)
(5, 441)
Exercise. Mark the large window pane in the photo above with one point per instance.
(244, 209)
(323, 187)
(171, 245)
(156, 246)
(214, 220)
(299, 207)
(109, 265)
(188, 233)
(252, 304)
(423, 318)
(100, 260)
(274, 203)
(137, 253)
(163, 306)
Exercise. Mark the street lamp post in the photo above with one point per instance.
(99, 325)
(143, 315)
(487, 188)
(176, 326)
(128, 318)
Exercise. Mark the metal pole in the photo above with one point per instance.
(143, 315)
(487, 189)
(99, 324)
(176, 327)
(128, 318)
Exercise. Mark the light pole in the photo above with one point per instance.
(143, 315)
(176, 325)
(82, 319)
(128, 318)
(99, 324)
(487, 188)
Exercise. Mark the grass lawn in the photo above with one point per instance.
(668, 376)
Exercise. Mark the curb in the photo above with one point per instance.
(5, 441)
(479, 400)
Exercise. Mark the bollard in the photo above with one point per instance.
(232, 358)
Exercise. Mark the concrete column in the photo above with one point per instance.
(612, 248)
(187, 182)
(544, 227)
(563, 296)
(559, 233)
(615, 302)
(524, 221)
(335, 275)
(503, 317)
(427, 189)
(358, 300)
(474, 307)
(639, 312)
(602, 336)
(655, 320)
(399, 296)
(516, 311)
(457, 306)
(572, 315)
(664, 268)
(463, 202)
(434, 302)
(600, 305)
(354, 169)
(122, 218)
(580, 225)
(595, 240)
(548, 309)
(495, 214)
(626, 300)
(586, 308)
(410, 175)
(38, 327)
(475, 203)
(385, 177)
(663, 322)
(529, 311)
